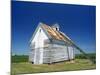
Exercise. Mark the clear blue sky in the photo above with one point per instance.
(77, 21)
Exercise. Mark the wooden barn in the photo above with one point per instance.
(49, 45)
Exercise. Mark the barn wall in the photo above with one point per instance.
(39, 38)
(59, 53)
(37, 44)
(71, 52)
(56, 53)
(46, 56)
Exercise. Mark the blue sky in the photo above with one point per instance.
(76, 21)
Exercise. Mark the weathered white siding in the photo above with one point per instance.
(71, 52)
(46, 55)
(38, 40)
(57, 52)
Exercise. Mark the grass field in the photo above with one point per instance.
(25, 67)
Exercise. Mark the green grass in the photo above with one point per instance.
(25, 67)
(19, 58)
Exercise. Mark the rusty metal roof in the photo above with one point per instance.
(55, 34)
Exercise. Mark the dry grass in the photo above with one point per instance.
(79, 64)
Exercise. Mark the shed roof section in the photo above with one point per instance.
(55, 34)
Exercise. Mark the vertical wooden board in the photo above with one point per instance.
(71, 54)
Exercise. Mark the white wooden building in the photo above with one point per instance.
(49, 45)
